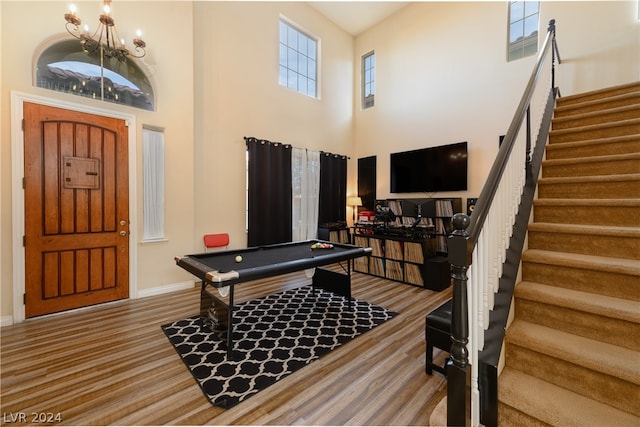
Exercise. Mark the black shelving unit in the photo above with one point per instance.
(412, 248)
(436, 212)
(401, 259)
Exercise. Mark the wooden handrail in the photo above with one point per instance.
(462, 242)
(485, 198)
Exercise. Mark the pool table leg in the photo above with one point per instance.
(230, 324)
(349, 278)
(334, 281)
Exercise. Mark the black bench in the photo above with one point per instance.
(438, 334)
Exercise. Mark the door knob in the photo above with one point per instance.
(123, 233)
(123, 222)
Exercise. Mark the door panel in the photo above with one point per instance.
(76, 209)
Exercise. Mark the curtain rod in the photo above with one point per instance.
(248, 139)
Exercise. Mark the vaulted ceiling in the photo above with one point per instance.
(357, 16)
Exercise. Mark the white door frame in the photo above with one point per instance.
(17, 194)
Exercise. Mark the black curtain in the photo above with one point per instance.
(269, 192)
(333, 188)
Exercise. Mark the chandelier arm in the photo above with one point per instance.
(73, 24)
(138, 50)
(73, 30)
(98, 33)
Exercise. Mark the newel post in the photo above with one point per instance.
(458, 368)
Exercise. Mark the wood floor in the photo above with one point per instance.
(112, 364)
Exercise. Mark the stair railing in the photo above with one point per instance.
(485, 250)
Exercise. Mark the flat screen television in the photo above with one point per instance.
(433, 169)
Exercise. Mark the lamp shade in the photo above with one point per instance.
(354, 201)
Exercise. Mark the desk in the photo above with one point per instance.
(220, 270)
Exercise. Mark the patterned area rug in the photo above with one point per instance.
(273, 337)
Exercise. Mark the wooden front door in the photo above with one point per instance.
(76, 209)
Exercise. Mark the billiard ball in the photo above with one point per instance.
(238, 258)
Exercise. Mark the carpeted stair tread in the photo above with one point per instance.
(635, 203)
(616, 241)
(630, 88)
(592, 159)
(584, 352)
(595, 230)
(634, 106)
(597, 116)
(613, 212)
(602, 305)
(573, 105)
(590, 147)
(593, 131)
(595, 141)
(605, 92)
(588, 262)
(584, 179)
(556, 406)
(625, 90)
(625, 186)
(597, 127)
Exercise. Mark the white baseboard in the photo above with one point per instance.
(159, 290)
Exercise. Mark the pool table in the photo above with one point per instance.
(222, 270)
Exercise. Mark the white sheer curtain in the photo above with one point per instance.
(152, 184)
(305, 183)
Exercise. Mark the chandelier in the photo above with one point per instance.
(105, 37)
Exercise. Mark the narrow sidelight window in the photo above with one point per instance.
(152, 184)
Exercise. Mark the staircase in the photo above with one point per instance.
(572, 351)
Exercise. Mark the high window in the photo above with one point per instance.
(65, 67)
(298, 60)
(523, 29)
(368, 79)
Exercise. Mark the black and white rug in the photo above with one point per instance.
(273, 337)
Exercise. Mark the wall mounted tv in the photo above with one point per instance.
(441, 168)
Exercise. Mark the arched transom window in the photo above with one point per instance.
(65, 67)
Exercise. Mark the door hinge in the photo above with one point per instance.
(24, 299)
(24, 183)
(23, 124)
(24, 241)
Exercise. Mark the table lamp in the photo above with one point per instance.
(354, 202)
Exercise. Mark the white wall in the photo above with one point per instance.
(238, 95)
(442, 75)
(599, 43)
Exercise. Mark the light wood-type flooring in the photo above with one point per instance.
(112, 364)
